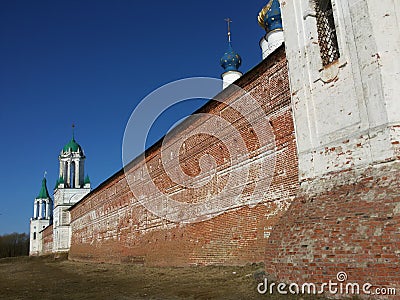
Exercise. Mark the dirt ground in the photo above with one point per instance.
(49, 278)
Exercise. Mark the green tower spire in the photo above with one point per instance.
(87, 180)
(43, 194)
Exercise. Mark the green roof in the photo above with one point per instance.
(87, 180)
(72, 146)
(43, 194)
(58, 182)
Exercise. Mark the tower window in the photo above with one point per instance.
(72, 177)
(34, 235)
(65, 175)
(44, 216)
(327, 38)
(37, 209)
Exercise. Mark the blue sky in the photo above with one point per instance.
(90, 62)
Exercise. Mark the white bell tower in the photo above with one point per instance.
(70, 188)
(42, 217)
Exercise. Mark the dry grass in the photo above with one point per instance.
(47, 278)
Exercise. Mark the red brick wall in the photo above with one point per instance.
(47, 240)
(110, 225)
(347, 221)
(353, 226)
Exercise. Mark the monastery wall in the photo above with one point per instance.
(333, 202)
(111, 225)
(47, 240)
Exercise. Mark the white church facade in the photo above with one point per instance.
(71, 186)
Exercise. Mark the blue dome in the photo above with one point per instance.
(270, 16)
(230, 61)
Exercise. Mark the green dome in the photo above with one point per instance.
(72, 146)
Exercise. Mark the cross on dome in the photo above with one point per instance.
(231, 60)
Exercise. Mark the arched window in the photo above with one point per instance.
(65, 173)
(44, 210)
(37, 209)
(72, 177)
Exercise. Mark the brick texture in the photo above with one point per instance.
(345, 221)
(352, 227)
(47, 240)
(111, 225)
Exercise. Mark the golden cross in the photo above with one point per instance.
(229, 21)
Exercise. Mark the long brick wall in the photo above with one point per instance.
(345, 221)
(111, 225)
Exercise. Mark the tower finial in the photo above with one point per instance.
(270, 19)
(230, 61)
(229, 21)
(44, 175)
(73, 131)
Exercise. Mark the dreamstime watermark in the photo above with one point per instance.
(154, 180)
(339, 286)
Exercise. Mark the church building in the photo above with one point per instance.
(326, 97)
(71, 186)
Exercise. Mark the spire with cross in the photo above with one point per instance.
(230, 61)
(73, 131)
(229, 21)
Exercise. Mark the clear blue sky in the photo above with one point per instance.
(89, 63)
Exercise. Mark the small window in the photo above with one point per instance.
(327, 38)
(34, 235)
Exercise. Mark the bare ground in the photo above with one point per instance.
(49, 278)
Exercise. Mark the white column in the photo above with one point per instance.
(35, 210)
(47, 209)
(271, 41)
(61, 174)
(264, 47)
(68, 179)
(229, 77)
(40, 209)
(77, 174)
